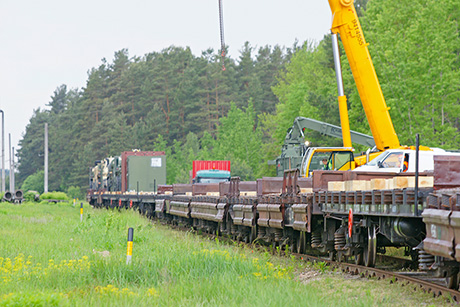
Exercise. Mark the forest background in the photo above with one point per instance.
(190, 108)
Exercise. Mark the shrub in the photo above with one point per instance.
(75, 192)
(34, 182)
(31, 196)
(54, 195)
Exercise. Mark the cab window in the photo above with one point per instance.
(342, 158)
(393, 160)
(318, 161)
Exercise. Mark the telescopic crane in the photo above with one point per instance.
(346, 23)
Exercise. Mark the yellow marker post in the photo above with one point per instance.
(129, 253)
(81, 212)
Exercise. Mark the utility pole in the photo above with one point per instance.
(11, 166)
(13, 188)
(46, 159)
(3, 152)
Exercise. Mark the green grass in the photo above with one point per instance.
(49, 258)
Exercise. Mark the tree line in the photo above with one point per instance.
(187, 106)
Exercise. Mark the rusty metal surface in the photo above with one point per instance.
(394, 277)
(403, 279)
(300, 217)
(397, 202)
(159, 205)
(321, 179)
(180, 188)
(455, 223)
(249, 211)
(276, 211)
(442, 221)
(446, 199)
(303, 208)
(222, 208)
(180, 206)
(204, 208)
(163, 188)
(238, 214)
(204, 188)
(224, 188)
(248, 186)
(305, 183)
(235, 187)
(269, 185)
(290, 186)
(439, 238)
(446, 172)
(264, 214)
(271, 212)
(230, 188)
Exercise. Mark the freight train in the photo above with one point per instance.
(344, 215)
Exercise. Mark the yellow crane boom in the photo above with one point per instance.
(346, 23)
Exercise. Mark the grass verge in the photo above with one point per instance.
(49, 258)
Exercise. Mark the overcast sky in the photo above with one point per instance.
(46, 43)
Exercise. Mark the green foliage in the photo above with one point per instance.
(188, 107)
(307, 88)
(240, 140)
(32, 299)
(321, 266)
(75, 193)
(152, 102)
(415, 51)
(30, 196)
(54, 195)
(34, 182)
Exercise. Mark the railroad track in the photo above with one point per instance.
(417, 280)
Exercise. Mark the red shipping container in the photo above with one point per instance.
(199, 165)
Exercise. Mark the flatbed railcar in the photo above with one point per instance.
(306, 216)
(296, 213)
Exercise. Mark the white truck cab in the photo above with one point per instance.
(403, 160)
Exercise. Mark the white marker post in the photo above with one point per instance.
(81, 212)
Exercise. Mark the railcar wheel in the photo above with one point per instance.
(253, 234)
(301, 243)
(332, 255)
(453, 281)
(370, 249)
(341, 258)
(293, 245)
(359, 258)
